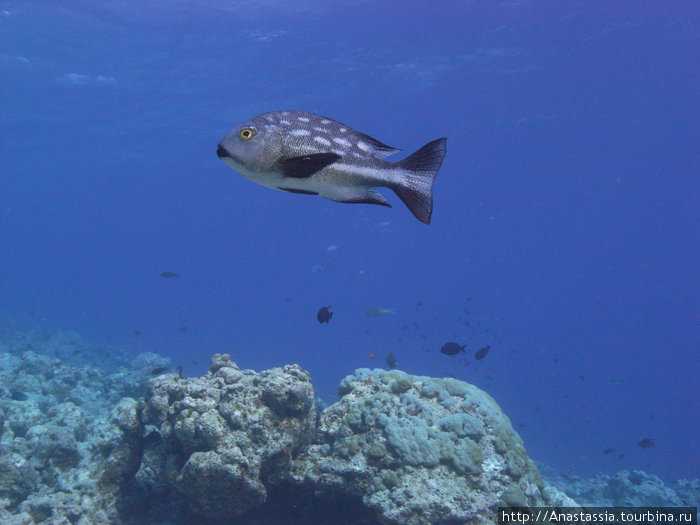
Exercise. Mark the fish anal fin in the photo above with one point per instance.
(294, 190)
(371, 197)
(306, 165)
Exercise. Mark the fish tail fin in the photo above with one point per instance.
(420, 170)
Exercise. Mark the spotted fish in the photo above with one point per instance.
(301, 152)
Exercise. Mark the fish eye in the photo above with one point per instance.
(247, 133)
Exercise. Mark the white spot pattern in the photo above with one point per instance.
(342, 142)
(363, 146)
(300, 133)
(303, 119)
(323, 141)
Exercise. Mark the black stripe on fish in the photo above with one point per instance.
(294, 190)
(305, 166)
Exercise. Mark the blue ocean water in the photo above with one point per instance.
(565, 229)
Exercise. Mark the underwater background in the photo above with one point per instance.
(564, 233)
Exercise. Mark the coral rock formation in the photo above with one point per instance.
(80, 445)
(420, 450)
(225, 434)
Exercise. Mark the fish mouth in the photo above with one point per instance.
(234, 161)
(222, 153)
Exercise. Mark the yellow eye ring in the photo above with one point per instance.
(247, 133)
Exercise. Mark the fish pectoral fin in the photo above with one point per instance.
(371, 197)
(305, 166)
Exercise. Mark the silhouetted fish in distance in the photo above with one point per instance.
(169, 275)
(645, 442)
(481, 353)
(324, 315)
(452, 348)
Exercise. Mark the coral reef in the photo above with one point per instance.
(420, 450)
(635, 488)
(226, 434)
(141, 444)
(414, 450)
(58, 428)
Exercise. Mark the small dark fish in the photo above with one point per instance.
(645, 442)
(324, 314)
(169, 275)
(159, 370)
(137, 332)
(182, 329)
(608, 451)
(481, 353)
(452, 348)
(391, 360)
(179, 370)
(16, 395)
(620, 457)
(582, 378)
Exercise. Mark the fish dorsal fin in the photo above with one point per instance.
(376, 148)
(306, 165)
